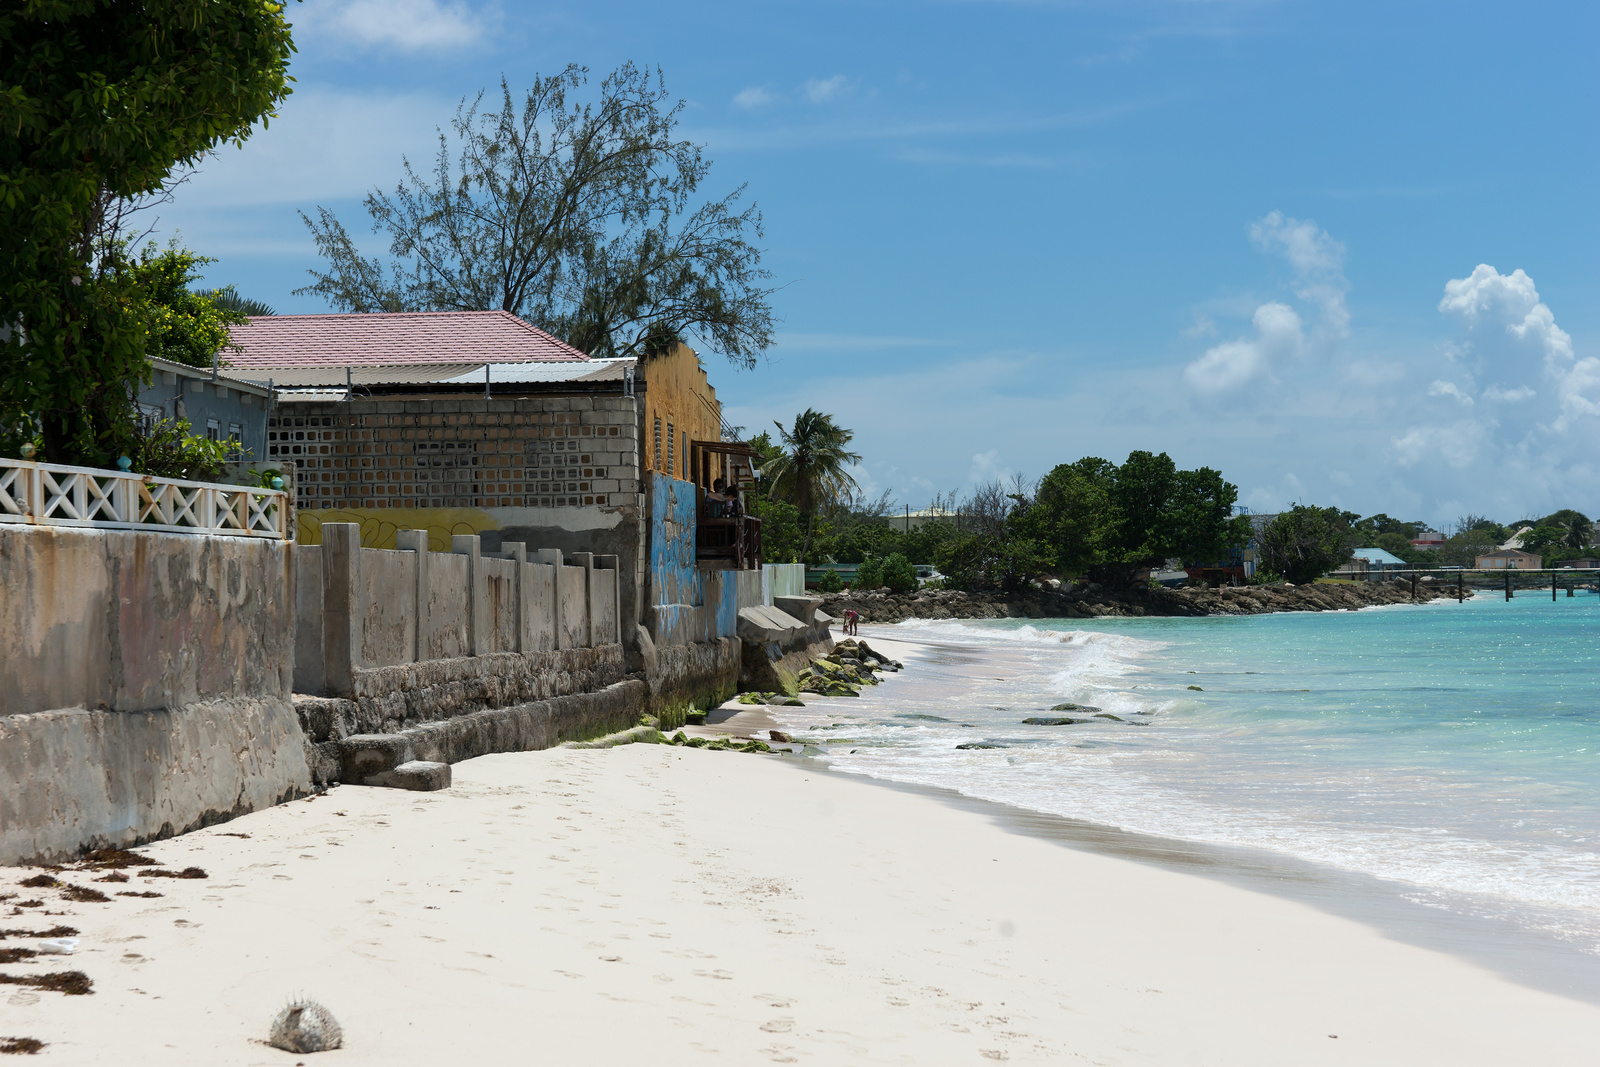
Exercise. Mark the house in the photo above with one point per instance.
(218, 404)
(909, 520)
(1515, 541)
(1368, 560)
(476, 422)
(1509, 559)
(1585, 563)
(1429, 539)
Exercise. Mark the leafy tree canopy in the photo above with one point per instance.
(1305, 542)
(97, 98)
(1109, 522)
(812, 471)
(182, 325)
(580, 216)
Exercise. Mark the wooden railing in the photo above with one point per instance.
(49, 494)
(723, 536)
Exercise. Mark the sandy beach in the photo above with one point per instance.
(657, 904)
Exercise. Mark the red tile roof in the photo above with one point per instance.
(386, 339)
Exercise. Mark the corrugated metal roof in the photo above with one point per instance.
(588, 370)
(386, 339)
(1378, 555)
(224, 377)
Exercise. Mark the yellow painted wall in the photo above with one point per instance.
(677, 392)
(378, 526)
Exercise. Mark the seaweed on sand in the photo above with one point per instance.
(70, 983)
(20, 1046)
(187, 872)
(84, 894)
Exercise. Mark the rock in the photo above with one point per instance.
(1069, 706)
(305, 1026)
(421, 775)
(1062, 721)
(978, 744)
(1108, 716)
(1197, 689)
(779, 735)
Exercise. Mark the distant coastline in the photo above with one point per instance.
(1088, 603)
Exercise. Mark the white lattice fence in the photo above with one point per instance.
(48, 494)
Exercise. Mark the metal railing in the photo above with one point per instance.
(49, 494)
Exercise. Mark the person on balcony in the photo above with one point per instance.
(717, 500)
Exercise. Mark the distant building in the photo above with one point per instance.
(1516, 539)
(908, 520)
(1586, 563)
(1509, 559)
(217, 404)
(1429, 539)
(1365, 560)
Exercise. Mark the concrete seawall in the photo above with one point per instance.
(145, 686)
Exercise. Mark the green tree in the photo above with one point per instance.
(812, 471)
(1305, 542)
(1110, 522)
(781, 531)
(580, 217)
(869, 575)
(103, 98)
(898, 574)
(228, 299)
(182, 325)
(1463, 548)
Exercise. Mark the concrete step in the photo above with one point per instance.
(420, 775)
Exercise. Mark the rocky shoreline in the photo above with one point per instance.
(881, 606)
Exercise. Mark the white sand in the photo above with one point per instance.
(659, 905)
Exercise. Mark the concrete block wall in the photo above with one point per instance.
(364, 609)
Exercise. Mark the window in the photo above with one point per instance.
(213, 429)
(671, 439)
(657, 454)
(686, 457)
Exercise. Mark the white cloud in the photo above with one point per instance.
(1499, 394)
(822, 90)
(1232, 365)
(403, 25)
(752, 98)
(1316, 261)
(1451, 390)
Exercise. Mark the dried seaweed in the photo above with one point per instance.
(20, 1046)
(70, 983)
(102, 858)
(85, 894)
(187, 872)
(16, 955)
(114, 876)
(39, 881)
(54, 931)
(126, 893)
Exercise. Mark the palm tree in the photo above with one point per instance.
(228, 299)
(810, 474)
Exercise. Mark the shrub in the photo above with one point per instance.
(830, 582)
(898, 574)
(870, 574)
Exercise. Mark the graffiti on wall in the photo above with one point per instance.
(378, 527)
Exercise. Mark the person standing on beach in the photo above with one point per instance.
(851, 618)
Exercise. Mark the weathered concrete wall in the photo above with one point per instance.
(308, 676)
(785, 579)
(388, 607)
(131, 621)
(572, 615)
(500, 586)
(74, 779)
(701, 673)
(754, 588)
(603, 605)
(446, 616)
(146, 681)
(390, 699)
(675, 591)
(538, 618)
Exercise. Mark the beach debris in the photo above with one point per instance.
(114, 876)
(187, 872)
(1197, 689)
(126, 893)
(62, 946)
(68, 983)
(20, 1046)
(1069, 706)
(40, 881)
(305, 1026)
(116, 857)
(54, 931)
(84, 894)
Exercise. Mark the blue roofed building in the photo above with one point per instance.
(1370, 560)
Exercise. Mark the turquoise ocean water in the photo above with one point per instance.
(1452, 749)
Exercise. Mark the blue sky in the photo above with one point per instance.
(1279, 239)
